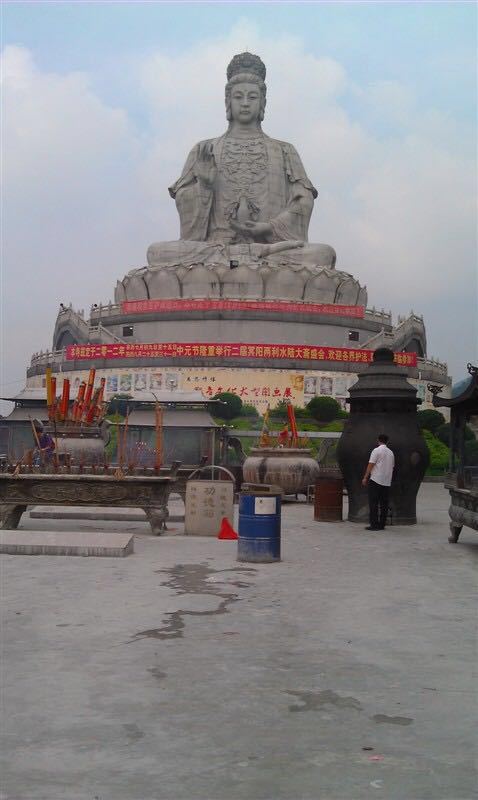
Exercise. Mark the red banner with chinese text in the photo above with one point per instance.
(88, 352)
(150, 306)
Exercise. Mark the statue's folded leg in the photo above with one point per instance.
(309, 255)
(184, 252)
(319, 255)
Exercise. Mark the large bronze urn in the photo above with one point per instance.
(80, 445)
(382, 401)
(291, 468)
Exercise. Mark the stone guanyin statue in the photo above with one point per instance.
(243, 198)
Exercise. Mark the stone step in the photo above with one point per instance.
(49, 543)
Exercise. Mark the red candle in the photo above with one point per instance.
(65, 399)
(51, 410)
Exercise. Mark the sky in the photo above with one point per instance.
(101, 102)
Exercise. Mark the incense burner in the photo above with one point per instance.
(151, 493)
(291, 468)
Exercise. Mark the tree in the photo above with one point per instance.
(430, 420)
(229, 407)
(324, 409)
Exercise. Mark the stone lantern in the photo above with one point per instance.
(382, 401)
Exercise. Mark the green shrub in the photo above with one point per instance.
(439, 453)
(112, 445)
(231, 405)
(334, 427)
(242, 423)
(302, 413)
(307, 425)
(324, 409)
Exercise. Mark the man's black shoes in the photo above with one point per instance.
(373, 528)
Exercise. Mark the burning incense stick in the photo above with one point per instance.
(293, 424)
(159, 436)
(125, 435)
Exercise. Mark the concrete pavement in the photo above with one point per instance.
(346, 672)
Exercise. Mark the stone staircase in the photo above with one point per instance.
(409, 328)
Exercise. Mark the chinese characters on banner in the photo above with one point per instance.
(227, 350)
(151, 306)
(256, 387)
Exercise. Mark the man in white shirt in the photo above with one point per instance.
(378, 475)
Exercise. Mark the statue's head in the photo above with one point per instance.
(246, 68)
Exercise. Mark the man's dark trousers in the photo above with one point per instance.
(378, 504)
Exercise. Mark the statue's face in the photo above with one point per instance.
(245, 102)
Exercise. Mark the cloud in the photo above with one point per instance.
(68, 189)
(86, 182)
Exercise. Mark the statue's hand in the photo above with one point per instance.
(254, 230)
(206, 166)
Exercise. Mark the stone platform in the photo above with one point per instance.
(344, 672)
(48, 543)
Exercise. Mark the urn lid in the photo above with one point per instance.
(384, 379)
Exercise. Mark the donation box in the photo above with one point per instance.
(207, 503)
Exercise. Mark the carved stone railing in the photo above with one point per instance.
(382, 317)
(49, 358)
(81, 330)
(98, 334)
(433, 365)
(74, 320)
(400, 336)
(99, 313)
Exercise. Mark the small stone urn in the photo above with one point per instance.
(291, 468)
(382, 401)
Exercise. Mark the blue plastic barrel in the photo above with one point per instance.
(259, 527)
